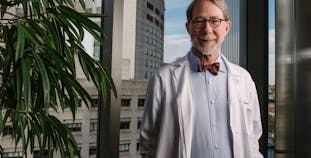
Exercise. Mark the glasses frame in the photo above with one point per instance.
(213, 22)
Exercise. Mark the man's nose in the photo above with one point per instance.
(207, 27)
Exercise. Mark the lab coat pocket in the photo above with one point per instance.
(248, 116)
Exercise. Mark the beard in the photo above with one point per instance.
(204, 51)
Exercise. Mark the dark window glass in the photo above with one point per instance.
(149, 17)
(7, 130)
(141, 102)
(137, 146)
(157, 22)
(149, 6)
(125, 102)
(138, 124)
(125, 125)
(157, 11)
(94, 102)
(74, 127)
(93, 126)
(37, 154)
(92, 150)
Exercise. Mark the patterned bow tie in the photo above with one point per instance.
(213, 68)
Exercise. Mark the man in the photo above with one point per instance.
(201, 105)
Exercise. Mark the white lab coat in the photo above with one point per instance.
(167, 126)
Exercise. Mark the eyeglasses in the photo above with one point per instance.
(199, 22)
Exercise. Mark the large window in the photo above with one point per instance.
(74, 127)
(271, 88)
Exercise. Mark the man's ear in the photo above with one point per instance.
(228, 26)
(188, 27)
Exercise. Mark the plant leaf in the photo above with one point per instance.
(45, 81)
(20, 41)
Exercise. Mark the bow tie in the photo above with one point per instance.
(213, 68)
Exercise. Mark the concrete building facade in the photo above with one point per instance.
(142, 37)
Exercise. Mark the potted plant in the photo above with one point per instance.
(38, 48)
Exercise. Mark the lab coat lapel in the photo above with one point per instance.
(184, 103)
(233, 80)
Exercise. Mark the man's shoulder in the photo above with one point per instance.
(238, 70)
(169, 67)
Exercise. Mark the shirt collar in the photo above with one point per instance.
(194, 62)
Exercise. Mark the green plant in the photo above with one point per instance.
(38, 75)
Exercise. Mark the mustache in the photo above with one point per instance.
(207, 37)
(204, 51)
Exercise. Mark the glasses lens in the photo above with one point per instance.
(200, 22)
(214, 23)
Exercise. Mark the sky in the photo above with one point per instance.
(177, 42)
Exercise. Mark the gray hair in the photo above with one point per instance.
(220, 3)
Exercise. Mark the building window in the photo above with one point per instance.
(79, 103)
(137, 146)
(125, 102)
(151, 29)
(7, 130)
(88, 10)
(146, 74)
(149, 17)
(19, 12)
(96, 50)
(146, 63)
(38, 154)
(98, 9)
(157, 11)
(93, 126)
(18, 154)
(141, 102)
(146, 40)
(74, 127)
(94, 102)
(151, 41)
(156, 21)
(125, 125)
(92, 150)
(138, 124)
(124, 147)
(162, 17)
(149, 6)
(150, 63)
(146, 27)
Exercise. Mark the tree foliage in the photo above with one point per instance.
(38, 48)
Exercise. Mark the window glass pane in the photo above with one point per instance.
(125, 102)
(149, 6)
(271, 88)
(141, 102)
(125, 125)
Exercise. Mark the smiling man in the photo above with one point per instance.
(201, 105)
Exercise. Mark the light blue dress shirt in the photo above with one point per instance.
(212, 136)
